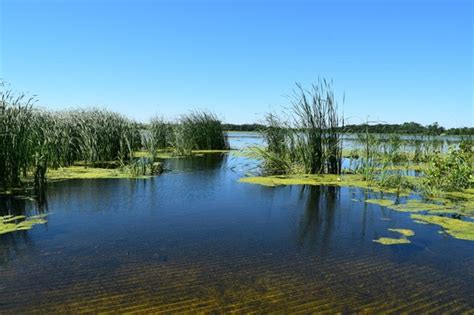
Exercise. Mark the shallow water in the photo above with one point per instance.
(195, 239)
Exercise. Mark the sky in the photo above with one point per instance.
(395, 61)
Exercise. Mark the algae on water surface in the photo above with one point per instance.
(457, 228)
(392, 241)
(10, 223)
(404, 232)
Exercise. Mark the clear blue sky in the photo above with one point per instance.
(395, 60)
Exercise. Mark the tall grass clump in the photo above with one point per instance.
(16, 147)
(160, 134)
(453, 172)
(33, 140)
(101, 136)
(199, 130)
(309, 140)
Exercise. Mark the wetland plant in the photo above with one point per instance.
(309, 141)
(199, 130)
(453, 172)
(33, 140)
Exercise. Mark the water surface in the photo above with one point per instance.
(195, 239)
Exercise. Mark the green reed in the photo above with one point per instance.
(308, 139)
(32, 140)
(198, 130)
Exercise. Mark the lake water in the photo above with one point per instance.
(195, 239)
(239, 140)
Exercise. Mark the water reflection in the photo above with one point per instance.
(317, 220)
(203, 162)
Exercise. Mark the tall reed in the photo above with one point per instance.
(309, 139)
(32, 140)
(199, 130)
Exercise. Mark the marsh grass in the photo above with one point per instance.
(308, 139)
(198, 130)
(33, 140)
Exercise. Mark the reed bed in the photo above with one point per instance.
(308, 140)
(33, 140)
(198, 130)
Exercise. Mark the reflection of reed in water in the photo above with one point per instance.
(204, 162)
(317, 221)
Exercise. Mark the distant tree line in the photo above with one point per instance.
(405, 128)
(244, 127)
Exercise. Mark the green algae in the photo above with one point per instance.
(395, 241)
(10, 223)
(392, 241)
(351, 180)
(418, 206)
(81, 172)
(380, 202)
(8, 219)
(457, 228)
(404, 232)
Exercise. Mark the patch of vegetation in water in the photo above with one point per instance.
(392, 241)
(381, 202)
(395, 241)
(404, 232)
(352, 180)
(418, 206)
(10, 223)
(457, 228)
(81, 172)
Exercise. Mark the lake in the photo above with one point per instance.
(195, 239)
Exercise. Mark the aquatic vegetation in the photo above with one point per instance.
(351, 180)
(161, 134)
(308, 139)
(395, 241)
(81, 172)
(34, 141)
(404, 232)
(457, 228)
(452, 173)
(199, 130)
(10, 223)
(392, 241)
(380, 202)
(418, 206)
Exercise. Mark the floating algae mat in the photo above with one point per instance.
(435, 213)
(10, 223)
(82, 172)
(395, 241)
(350, 180)
(392, 241)
(380, 202)
(404, 232)
(457, 228)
